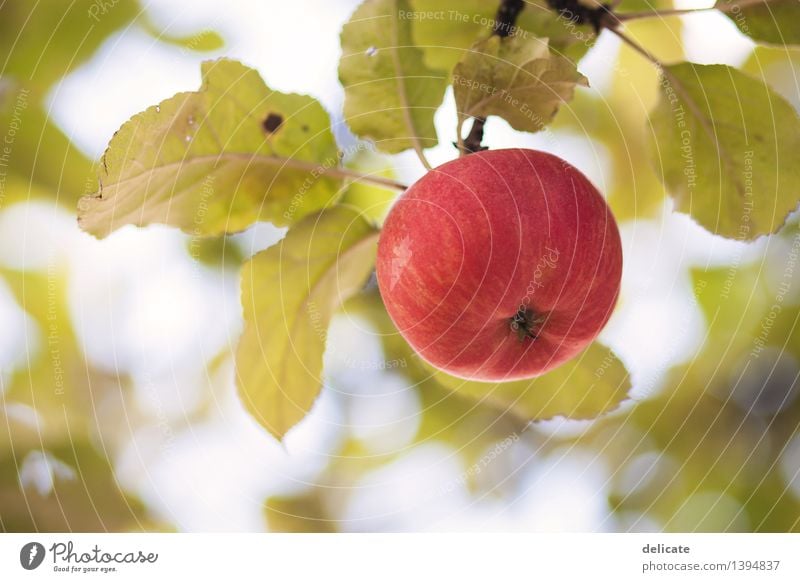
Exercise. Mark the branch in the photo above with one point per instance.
(339, 172)
(628, 16)
(638, 48)
(599, 16)
(506, 18)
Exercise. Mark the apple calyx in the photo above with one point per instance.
(526, 324)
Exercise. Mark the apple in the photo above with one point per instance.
(500, 265)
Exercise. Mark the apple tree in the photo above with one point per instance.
(714, 143)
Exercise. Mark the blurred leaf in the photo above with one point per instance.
(289, 294)
(217, 160)
(467, 424)
(723, 144)
(201, 41)
(592, 383)
(41, 159)
(615, 118)
(722, 420)
(42, 41)
(770, 21)
(780, 67)
(446, 29)
(298, 514)
(587, 386)
(55, 382)
(372, 201)
(514, 78)
(215, 252)
(85, 495)
(48, 416)
(390, 95)
(637, 191)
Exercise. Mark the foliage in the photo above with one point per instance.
(718, 141)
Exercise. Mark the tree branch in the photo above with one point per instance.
(506, 18)
(599, 17)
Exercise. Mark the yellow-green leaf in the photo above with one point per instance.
(390, 94)
(201, 41)
(515, 78)
(587, 386)
(217, 160)
(39, 157)
(446, 29)
(289, 294)
(372, 200)
(304, 513)
(42, 41)
(769, 21)
(83, 496)
(724, 144)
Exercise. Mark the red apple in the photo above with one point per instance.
(500, 265)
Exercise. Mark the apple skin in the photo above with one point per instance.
(500, 265)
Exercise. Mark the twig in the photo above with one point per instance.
(599, 16)
(506, 17)
(628, 16)
(340, 172)
(638, 48)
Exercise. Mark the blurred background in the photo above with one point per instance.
(119, 407)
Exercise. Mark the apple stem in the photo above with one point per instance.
(472, 143)
(526, 324)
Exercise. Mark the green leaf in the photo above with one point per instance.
(587, 386)
(201, 41)
(391, 96)
(56, 379)
(85, 496)
(218, 159)
(303, 513)
(446, 29)
(615, 117)
(515, 78)
(40, 158)
(780, 67)
(724, 144)
(42, 41)
(289, 294)
(768, 21)
(373, 201)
